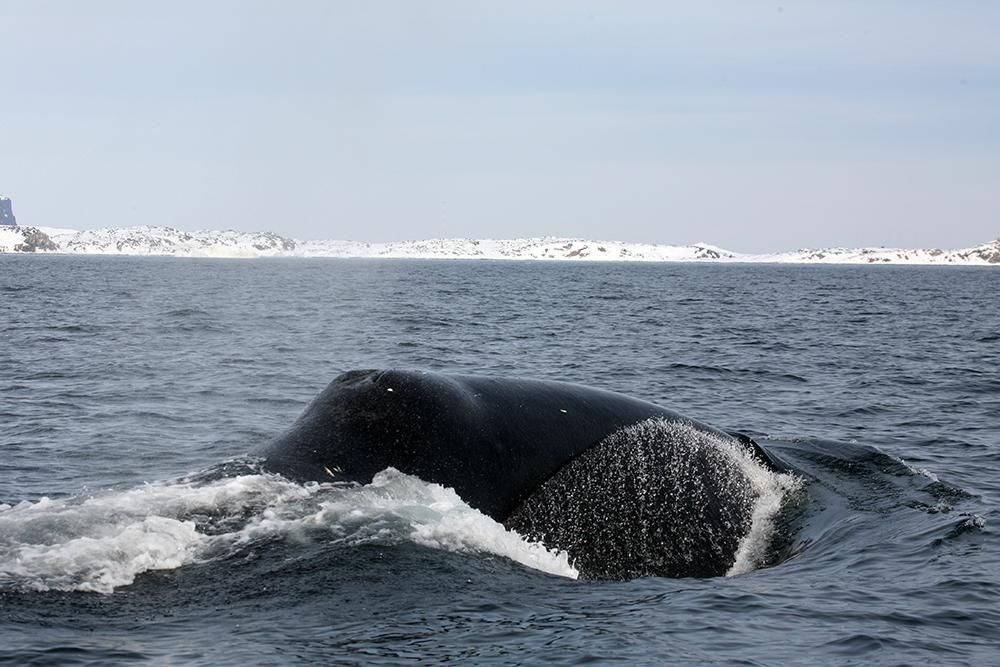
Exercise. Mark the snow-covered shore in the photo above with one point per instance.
(172, 242)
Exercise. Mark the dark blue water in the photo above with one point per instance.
(131, 529)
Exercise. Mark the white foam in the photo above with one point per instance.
(770, 489)
(111, 557)
(916, 470)
(102, 542)
(444, 521)
(398, 507)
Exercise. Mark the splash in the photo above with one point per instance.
(102, 542)
(771, 489)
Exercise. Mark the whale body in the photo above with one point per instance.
(627, 487)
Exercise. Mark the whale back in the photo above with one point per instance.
(494, 440)
(626, 487)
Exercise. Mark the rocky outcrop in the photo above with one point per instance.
(25, 239)
(169, 241)
(988, 252)
(7, 212)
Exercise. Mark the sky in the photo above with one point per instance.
(755, 126)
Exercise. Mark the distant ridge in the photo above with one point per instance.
(167, 241)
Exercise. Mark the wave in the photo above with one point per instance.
(739, 372)
(187, 312)
(834, 506)
(772, 490)
(101, 542)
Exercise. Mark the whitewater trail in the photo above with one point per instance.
(101, 542)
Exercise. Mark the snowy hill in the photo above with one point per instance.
(173, 242)
(538, 248)
(170, 241)
(987, 253)
(25, 239)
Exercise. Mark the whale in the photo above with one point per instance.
(626, 487)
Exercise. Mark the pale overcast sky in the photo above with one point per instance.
(750, 125)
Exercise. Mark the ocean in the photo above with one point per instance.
(135, 528)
